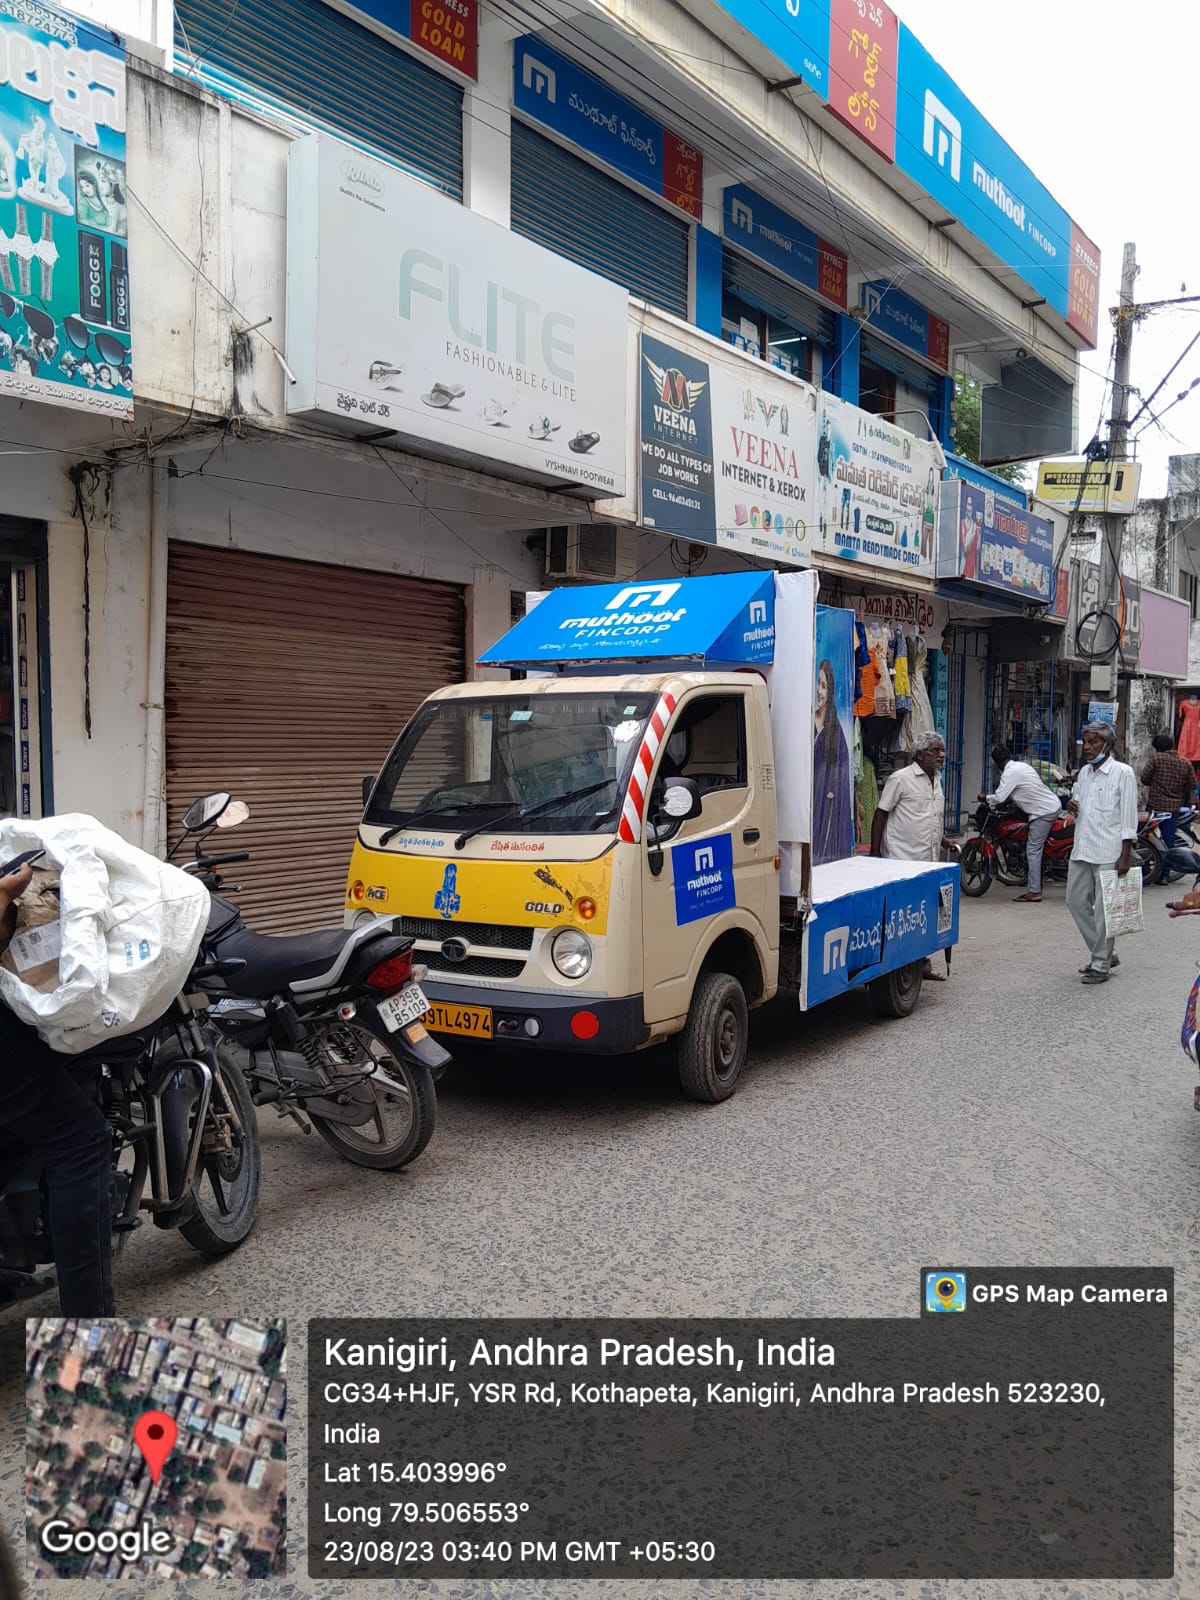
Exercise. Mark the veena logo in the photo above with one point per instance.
(359, 177)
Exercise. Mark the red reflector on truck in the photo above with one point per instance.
(585, 1024)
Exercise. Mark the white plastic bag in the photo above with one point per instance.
(1122, 902)
(130, 928)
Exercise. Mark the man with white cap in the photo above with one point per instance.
(1106, 819)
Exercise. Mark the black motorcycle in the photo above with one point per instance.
(185, 1145)
(326, 1026)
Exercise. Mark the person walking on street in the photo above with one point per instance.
(908, 824)
(1106, 819)
(1020, 783)
(1171, 784)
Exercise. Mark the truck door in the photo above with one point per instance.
(711, 864)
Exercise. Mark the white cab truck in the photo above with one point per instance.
(613, 851)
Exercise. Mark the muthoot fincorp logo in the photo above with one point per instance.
(360, 177)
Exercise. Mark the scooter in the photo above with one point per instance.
(326, 1026)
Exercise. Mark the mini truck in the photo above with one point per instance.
(614, 851)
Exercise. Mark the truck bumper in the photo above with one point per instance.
(545, 1022)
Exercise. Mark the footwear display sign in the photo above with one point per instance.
(727, 450)
(878, 490)
(65, 321)
(417, 321)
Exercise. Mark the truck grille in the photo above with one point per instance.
(474, 967)
(487, 934)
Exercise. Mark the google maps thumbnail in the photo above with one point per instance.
(207, 1398)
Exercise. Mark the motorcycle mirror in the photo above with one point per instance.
(234, 814)
(204, 812)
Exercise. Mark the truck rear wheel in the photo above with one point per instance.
(896, 995)
(713, 1044)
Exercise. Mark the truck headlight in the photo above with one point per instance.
(363, 919)
(571, 953)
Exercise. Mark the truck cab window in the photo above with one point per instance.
(708, 745)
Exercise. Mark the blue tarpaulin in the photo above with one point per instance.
(725, 619)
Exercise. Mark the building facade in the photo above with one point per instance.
(246, 527)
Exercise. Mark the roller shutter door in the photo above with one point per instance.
(286, 683)
(785, 300)
(317, 69)
(577, 211)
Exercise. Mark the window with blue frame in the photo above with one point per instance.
(773, 319)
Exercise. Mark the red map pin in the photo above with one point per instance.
(155, 1434)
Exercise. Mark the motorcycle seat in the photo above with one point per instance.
(305, 962)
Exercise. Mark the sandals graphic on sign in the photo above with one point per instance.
(703, 873)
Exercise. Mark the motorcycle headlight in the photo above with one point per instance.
(571, 953)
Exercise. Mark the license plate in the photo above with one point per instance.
(410, 1005)
(473, 1021)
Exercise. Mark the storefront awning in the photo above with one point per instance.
(728, 619)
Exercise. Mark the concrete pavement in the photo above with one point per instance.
(1018, 1118)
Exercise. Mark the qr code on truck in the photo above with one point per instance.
(945, 907)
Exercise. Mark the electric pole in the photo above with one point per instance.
(1104, 673)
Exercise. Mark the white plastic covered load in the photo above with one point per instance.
(790, 684)
(127, 933)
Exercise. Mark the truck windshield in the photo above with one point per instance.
(476, 765)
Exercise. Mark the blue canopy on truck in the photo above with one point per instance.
(726, 619)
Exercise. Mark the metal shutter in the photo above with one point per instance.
(748, 281)
(287, 682)
(578, 212)
(901, 366)
(316, 69)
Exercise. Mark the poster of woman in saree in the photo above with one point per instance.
(833, 787)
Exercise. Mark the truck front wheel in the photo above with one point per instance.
(896, 995)
(713, 1044)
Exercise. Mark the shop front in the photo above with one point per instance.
(782, 286)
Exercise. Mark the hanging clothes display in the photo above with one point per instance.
(1188, 739)
(919, 721)
(881, 646)
(901, 671)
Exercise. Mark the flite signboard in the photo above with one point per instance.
(409, 315)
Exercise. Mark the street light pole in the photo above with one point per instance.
(1104, 674)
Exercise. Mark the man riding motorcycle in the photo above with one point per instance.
(42, 1105)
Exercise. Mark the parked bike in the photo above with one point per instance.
(185, 1146)
(326, 1026)
(997, 849)
(1186, 838)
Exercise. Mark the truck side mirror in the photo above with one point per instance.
(679, 800)
(368, 785)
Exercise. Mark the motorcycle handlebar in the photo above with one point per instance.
(224, 861)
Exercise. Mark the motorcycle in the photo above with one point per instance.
(1185, 839)
(996, 850)
(185, 1146)
(326, 1026)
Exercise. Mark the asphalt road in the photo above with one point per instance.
(1018, 1118)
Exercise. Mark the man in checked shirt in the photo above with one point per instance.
(1106, 819)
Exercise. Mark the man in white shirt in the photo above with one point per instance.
(1020, 783)
(908, 823)
(1106, 818)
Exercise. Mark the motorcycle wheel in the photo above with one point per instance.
(1148, 857)
(225, 1189)
(404, 1114)
(974, 874)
